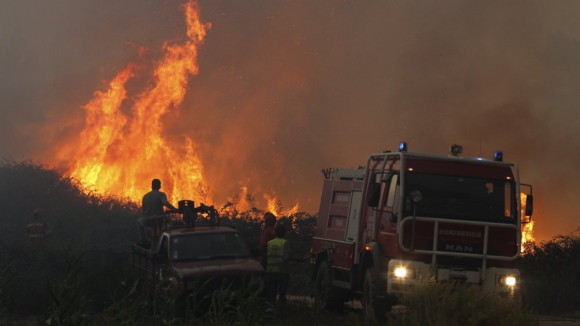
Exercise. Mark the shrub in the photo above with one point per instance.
(5, 278)
(68, 303)
(453, 304)
(550, 278)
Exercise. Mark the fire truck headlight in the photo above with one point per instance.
(400, 272)
(507, 280)
(510, 281)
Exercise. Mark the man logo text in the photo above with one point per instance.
(458, 248)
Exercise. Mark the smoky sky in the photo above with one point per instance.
(286, 88)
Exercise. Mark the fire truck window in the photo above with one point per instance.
(508, 202)
(461, 197)
(390, 199)
(396, 200)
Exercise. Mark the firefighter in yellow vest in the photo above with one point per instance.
(278, 269)
(37, 230)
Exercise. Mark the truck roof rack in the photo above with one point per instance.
(347, 174)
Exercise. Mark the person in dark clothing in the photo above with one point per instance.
(267, 235)
(153, 204)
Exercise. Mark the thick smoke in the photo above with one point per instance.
(286, 88)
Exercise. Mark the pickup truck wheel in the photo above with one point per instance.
(326, 295)
(373, 308)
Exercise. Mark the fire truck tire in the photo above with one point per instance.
(326, 295)
(374, 309)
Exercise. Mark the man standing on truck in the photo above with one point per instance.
(267, 235)
(153, 203)
(278, 270)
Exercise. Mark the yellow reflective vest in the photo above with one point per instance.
(276, 262)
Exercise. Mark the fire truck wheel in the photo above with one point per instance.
(373, 307)
(327, 296)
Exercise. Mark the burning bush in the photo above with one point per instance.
(550, 277)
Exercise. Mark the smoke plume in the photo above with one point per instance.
(286, 88)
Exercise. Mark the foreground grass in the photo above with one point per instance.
(449, 304)
(428, 304)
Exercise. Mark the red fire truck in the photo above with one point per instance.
(406, 218)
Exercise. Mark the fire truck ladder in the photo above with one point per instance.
(348, 174)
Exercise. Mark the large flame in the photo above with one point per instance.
(275, 206)
(120, 154)
(527, 235)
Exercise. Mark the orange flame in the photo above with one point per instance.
(120, 154)
(243, 201)
(275, 206)
(527, 236)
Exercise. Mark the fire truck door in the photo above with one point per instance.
(353, 225)
(389, 209)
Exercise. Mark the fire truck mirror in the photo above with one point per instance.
(374, 194)
(529, 205)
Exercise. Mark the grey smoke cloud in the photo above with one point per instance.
(286, 88)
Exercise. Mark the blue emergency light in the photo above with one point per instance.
(402, 147)
(498, 156)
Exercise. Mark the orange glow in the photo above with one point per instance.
(527, 229)
(119, 153)
(275, 206)
(527, 236)
(242, 202)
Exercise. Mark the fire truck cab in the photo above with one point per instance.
(406, 218)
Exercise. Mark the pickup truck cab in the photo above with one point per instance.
(198, 261)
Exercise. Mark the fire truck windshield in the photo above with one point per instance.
(458, 197)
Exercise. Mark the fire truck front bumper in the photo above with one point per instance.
(402, 276)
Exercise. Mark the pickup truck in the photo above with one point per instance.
(197, 261)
